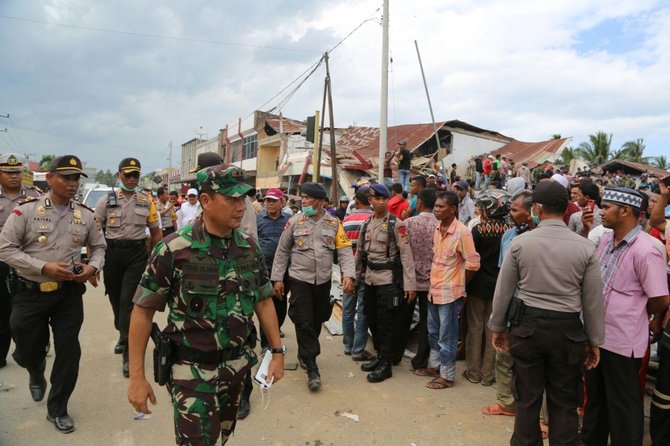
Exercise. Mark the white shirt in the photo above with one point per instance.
(187, 213)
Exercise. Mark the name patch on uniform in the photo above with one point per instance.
(46, 219)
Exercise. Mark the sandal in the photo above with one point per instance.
(496, 409)
(439, 383)
(427, 372)
(544, 428)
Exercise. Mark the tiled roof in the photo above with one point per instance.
(534, 153)
(290, 125)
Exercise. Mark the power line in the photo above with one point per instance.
(155, 36)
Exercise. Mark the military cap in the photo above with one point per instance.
(207, 159)
(229, 182)
(379, 190)
(314, 190)
(11, 162)
(551, 193)
(67, 165)
(128, 165)
(623, 196)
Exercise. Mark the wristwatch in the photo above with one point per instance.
(281, 350)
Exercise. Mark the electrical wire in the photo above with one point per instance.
(155, 36)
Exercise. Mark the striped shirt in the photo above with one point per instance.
(352, 224)
(453, 255)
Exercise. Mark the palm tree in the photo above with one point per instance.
(661, 162)
(619, 154)
(634, 151)
(597, 149)
(567, 155)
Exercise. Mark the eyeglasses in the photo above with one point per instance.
(132, 175)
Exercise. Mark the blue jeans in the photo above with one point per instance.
(403, 178)
(355, 334)
(443, 336)
(478, 179)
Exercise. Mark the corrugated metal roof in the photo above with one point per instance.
(365, 140)
(640, 167)
(534, 153)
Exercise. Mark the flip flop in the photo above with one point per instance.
(496, 409)
(439, 383)
(427, 372)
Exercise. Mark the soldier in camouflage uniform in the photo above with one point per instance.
(212, 277)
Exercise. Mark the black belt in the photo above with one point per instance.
(125, 243)
(381, 266)
(188, 354)
(42, 287)
(548, 314)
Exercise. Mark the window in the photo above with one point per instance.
(250, 147)
(236, 151)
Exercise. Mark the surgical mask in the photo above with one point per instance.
(128, 189)
(309, 211)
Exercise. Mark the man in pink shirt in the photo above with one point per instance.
(634, 286)
(454, 264)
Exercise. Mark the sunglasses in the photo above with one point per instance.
(132, 175)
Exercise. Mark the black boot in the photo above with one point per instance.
(37, 384)
(313, 376)
(381, 373)
(372, 365)
(119, 347)
(244, 408)
(126, 365)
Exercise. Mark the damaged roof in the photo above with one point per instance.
(634, 168)
(534, 153)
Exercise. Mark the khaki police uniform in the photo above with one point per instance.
(9, 163)
(384, 289)
(38, 232)
(124, 226)
(310, 244)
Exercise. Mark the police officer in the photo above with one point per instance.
(556, 275)
(309, 241)
(212, 277)
(124, 216)
(42, 240)
(384, 261)
(12, 192)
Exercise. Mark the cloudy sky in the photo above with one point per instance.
(105, 80)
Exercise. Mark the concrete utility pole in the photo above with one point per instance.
(430, 106)
(169, 168)
(383, 115)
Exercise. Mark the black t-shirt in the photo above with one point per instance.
(478, 166)
(404, 163)
(487, 237)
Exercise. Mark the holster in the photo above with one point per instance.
(515, 312)
(13, 283)
(163, 355)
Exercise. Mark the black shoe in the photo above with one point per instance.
(119, 348)
(371, 366)
(64, 424)
(3, 363)
(281, 334)
(381, 373)
(126, 365)
(303, 364)
(37, 384)
(313, 379)
(244, 409)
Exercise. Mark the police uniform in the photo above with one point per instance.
(310, 244)
(37, 232)
(377, 256)
(9, 163)
(124, 224)
(210, 285)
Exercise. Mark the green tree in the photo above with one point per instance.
(619, 154)
(556, 136)
(661, 162)
(107, 178)
(634, 151)
(45, 161)
(597, 149)
(568, 154)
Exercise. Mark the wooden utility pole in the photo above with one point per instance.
(333, 157)
(318, 140)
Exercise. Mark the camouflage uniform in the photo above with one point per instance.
(210, 286)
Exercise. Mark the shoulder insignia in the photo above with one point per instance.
(84, 206)
(17, 212)
(28, 200)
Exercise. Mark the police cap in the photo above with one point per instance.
(207, 159)
(379, 190)
(128, 165)
(11, 162)
(67, 165)
(314, 190)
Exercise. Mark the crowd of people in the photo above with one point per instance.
(551, 286)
